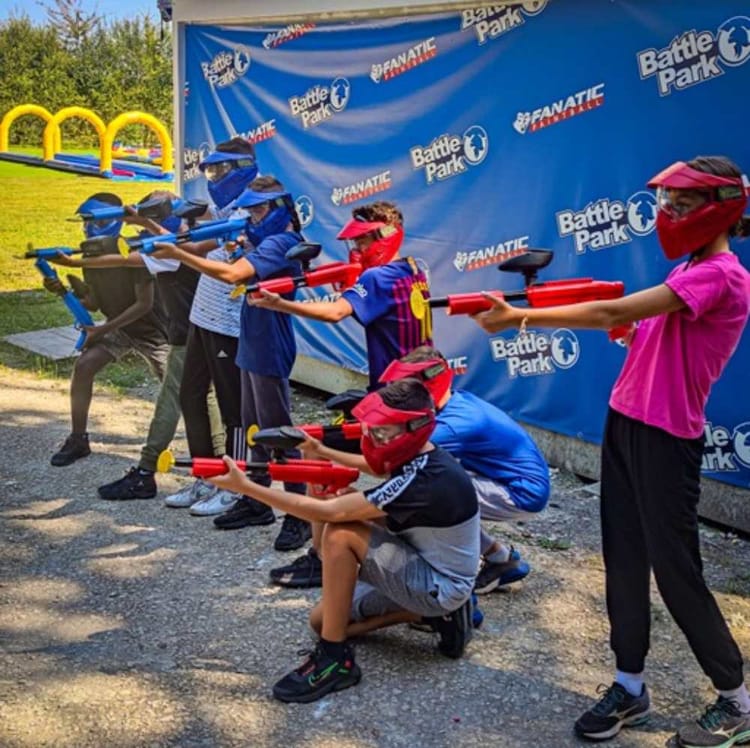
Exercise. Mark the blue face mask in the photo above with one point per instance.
(94, 229)
(242, 170)
(172, 224)
(275, 222)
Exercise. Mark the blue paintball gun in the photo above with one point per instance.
(224, 230)
(157, 209)
(89, 248)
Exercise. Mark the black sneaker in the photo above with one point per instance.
(74, 447)
(615, 709)
(294, 533)
(133, 485)
(305, 571)
(243, 513)
(721, 726)
(318, 675)
(492, 575)
(455, 630)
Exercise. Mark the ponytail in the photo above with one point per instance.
(741, 229)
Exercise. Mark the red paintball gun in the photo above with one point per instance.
(295, 435)
(340, 274)
(537, 293)
(323, 476)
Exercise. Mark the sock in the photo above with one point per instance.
(335, 650)
(631, 682)
(500, 556)
(740, 696)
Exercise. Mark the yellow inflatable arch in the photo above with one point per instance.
(50, 145)
(52, 138)
(130, 118)
(20, 111)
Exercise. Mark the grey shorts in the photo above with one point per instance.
(118, 343)
(395, 577)
(496, 501)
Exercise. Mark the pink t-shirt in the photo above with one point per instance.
(675, 358)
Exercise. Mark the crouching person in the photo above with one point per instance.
(404, 551)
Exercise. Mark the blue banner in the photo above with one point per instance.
(494, 129)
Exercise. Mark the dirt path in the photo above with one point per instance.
(128, 624)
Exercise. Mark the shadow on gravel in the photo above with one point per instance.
(125, 624)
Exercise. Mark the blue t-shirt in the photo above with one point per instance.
(487, 441)
(266, 344)
(381, 300)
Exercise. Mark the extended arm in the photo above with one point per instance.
(314, 447)
(599, 315)
(325, 311)
(134, 259)
(237, 272)
(349, 507)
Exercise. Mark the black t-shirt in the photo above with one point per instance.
(432, 490)
(114, 289)
(176, 290)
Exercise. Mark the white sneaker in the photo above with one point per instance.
(216, 504)
(196, 491)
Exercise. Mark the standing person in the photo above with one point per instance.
(267, 349)
(405, 551)
(126, 298)
(176, 287)
(689, 326)
(213, 335)
(382, 299)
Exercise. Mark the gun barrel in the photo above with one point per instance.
(575, 291)
(108, 213)
(465, 303)
(45, 253)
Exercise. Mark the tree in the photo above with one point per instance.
(71, 21)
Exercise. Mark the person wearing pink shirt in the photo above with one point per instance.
(684, 332)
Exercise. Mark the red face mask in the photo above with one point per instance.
(383, 248)
(435, 374)
(408, 430)
(695, 207)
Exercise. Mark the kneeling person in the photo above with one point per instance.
(420, 563)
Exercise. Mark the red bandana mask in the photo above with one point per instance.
(409, 432)
(683, 229)
(434, 374)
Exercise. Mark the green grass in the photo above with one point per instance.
(35, 205)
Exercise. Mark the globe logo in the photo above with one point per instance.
(241, 59)
(734, 40)
(204, 150)
(305, 210)
(565, 348)
(532, 7)
(476, 144)
(340, 90)
(642, 213)
(741, 443)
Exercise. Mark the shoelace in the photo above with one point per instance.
(716, 713)
(611, 697)
(311, 663)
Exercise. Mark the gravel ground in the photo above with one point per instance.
(129, 624)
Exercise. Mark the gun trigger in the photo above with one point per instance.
(238, 291)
